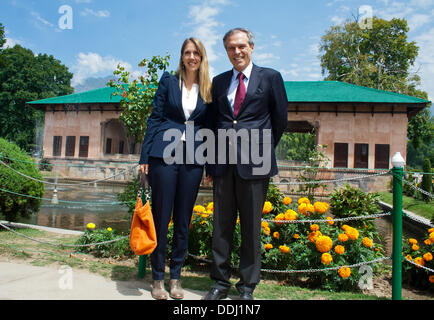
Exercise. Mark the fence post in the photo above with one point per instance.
(142, 266)
(397, 172)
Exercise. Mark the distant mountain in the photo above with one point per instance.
(92, 84)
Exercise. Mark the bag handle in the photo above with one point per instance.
(144, 182)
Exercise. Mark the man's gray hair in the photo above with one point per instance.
(235, 30)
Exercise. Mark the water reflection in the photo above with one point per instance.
(75, 216)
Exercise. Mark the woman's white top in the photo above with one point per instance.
(189, 101)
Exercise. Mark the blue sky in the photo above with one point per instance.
(106, 32)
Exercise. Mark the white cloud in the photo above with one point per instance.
(12, 42)
(422, 3)
(99, 13)
(205, 24)
(41, 20)
(266, 57)
(417, 20)
(92, 64)
(289, 72)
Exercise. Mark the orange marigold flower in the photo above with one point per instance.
(314, 227)
(415, 247)
(345, 226)
(264, 224)
(290, 215)
(431, 236)
(431, 279)
(267, 231)
(419, 261)
(430, 230)
(268, 207)
(427, 242)
(279, 217)
(330, 221)
(412, 241)
(303, 200)
(344, 272)
(367, 242)
(268, 246)
(314, 235)
(199, 209)
(352, 233)
(276, 235)
(323, 244)
(339, 249)
(284, 249)
(296, 236)
(326, 258)
(302, 208)
(287, 200)
(310, 208)
(408, 257)
(342, 237)
(210, 206)
(427, 256)
(321, 207)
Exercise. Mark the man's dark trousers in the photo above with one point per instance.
(249, 197)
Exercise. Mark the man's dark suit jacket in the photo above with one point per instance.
(264, 107)
(167, 113)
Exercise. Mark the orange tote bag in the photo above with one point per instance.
(143, 238)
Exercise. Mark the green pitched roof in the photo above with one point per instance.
(102, 95)
(296, 91)
(336, 91)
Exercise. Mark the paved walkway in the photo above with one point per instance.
(20, 281)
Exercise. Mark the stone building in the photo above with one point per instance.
(362, 127)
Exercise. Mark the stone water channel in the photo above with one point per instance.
(86, 204)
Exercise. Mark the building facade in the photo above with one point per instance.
(362, 127)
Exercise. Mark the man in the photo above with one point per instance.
(249, 104)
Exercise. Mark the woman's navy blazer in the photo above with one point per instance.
(167, 113)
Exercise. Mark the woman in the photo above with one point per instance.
(179, 98)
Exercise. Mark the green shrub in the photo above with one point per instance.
(13, 206)
(116, 249)
(352, 202)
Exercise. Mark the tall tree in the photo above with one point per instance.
(378, 57)
(137, 95)
(26, 77)
(2, 36)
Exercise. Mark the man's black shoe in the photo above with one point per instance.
(215, 294)
(246, 296)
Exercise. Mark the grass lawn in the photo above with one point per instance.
(16, 248)
(418, 207)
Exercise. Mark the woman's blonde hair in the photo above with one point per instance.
(204, 80)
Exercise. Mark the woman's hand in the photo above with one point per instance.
(144, 168)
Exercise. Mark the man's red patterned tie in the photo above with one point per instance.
(240, 95)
